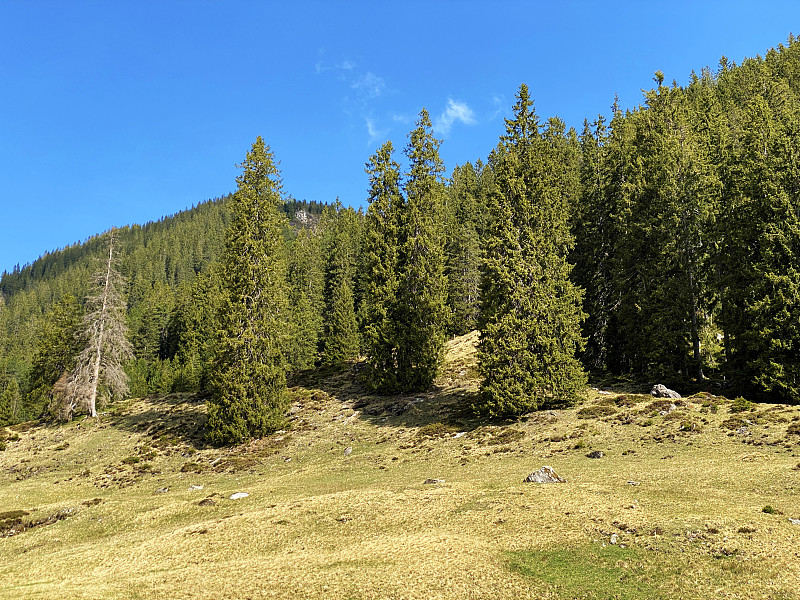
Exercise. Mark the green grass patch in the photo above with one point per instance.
(591, 572)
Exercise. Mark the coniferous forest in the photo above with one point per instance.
(661, 244)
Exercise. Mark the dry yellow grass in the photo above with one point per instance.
(322, 524)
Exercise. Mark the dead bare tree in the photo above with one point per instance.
(107, 346)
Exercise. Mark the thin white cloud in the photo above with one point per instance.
(499, 103)
(455, 111)
(346, 65)
(375, 134)
(369, 84)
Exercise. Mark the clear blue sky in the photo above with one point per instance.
(123, 111)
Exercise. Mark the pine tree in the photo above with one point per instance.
(421, 312)
(305, 299)
(107, 348)
(379, 272)
(343, 233)
(531, 310)
(463, 249)
(249, 380)
(58, 346)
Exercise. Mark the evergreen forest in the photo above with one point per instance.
(661, 244)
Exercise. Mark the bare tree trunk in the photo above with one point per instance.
(107, 345)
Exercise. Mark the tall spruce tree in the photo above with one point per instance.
(343, 236)
(531, 311)
(463, 249)
(379, 272)
(248, 382)
(306, 299)
(421, 312)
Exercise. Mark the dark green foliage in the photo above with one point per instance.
(58, 346)
(465, 204)
(248, 381)
(342, 227)
(531, 315)
(379, 269)
(421, 314)
(306, 300)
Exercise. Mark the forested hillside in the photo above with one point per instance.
(662, 243)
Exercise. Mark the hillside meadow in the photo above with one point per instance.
(693, 498)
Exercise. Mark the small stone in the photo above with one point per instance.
(206, 502)
(239, 495)
(163, 490)
(544, 475)
(194, 488)
(633, 482)
(743, 431)
(614, 538)
(432, 481)
(794, 521)
(595, 454)
(348, 451)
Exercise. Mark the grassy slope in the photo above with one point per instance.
(322, 524)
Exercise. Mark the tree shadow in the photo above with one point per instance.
(446, 402)
(170, 421)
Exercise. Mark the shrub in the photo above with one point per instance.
(741, 405)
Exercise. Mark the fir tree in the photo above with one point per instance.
(379, 272)
(306, 300)
(463, 250)
(341, 339)
(58, 347)
(531, 311)
(249, 381)
(421, 315)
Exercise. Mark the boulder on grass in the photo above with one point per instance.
(662, 391)
(544, 475)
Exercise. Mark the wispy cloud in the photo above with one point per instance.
(455, 111)
(375, 133)
(499, 103)
(369, 85)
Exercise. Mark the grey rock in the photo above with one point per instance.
(794, 521)
(163, 490)
(544, 475)
(743, 431)
(432, 481)
(348, 451)
(662, 391)
(239, 495)
(595, 454)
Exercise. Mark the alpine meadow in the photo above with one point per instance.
(568, 369)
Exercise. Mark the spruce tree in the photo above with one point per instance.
(531, 310)
(58, 346)
(463, 249)
(305, 299)
(421, 313)
(342, 232)
(379, 272)
(248, 381)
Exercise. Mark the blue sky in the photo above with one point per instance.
(119, 112)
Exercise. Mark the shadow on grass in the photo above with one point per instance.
(171, 420)
(447, 405)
